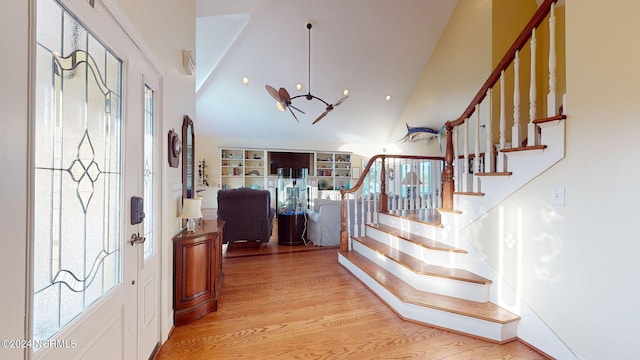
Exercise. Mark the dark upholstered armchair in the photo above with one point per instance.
(248, 215)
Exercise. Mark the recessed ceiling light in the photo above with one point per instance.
(245, 80)
(388, 97)
(345, 92)
(298, 86)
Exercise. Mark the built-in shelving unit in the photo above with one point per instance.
(333, 170)
(240, 167)
(243, 168)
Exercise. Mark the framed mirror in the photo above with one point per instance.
(188, 159)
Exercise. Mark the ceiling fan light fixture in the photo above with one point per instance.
(283, 99)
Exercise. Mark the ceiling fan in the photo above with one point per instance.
(284, 100)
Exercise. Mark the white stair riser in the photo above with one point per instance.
(414, 227)
(439, 318)
(428, 256)
(444, 234)
(434, 284)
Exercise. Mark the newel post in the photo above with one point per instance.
(384, 197)
(448, 184)
(344, 237)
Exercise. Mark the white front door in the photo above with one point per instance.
(95, 295)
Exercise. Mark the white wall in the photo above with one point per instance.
(14, 20)
(578, 263)
(460, 64)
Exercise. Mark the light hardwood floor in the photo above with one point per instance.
(304, 305)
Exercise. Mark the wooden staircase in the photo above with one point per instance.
(420, 262)
(416, 276)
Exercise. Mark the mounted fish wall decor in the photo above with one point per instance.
(416, 133)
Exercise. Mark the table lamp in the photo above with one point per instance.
(191, 210)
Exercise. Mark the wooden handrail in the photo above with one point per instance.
(384, 197)
(520, 42)
(448, 184)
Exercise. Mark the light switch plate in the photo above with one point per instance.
(557, 195)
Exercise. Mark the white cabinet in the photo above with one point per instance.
(333, 170)
(242, 168)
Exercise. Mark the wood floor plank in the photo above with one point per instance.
(304, 305)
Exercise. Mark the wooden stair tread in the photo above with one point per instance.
(425, 216)
(403, 291)
(419, 267)
(524, 148)
(550, 119)
(470, 193)
(501, 173)
(416, 239)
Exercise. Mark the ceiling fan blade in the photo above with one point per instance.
(341, 101)
(284, 96)
(273, 92)
(294, 115)
(321, 116)
(295, 108)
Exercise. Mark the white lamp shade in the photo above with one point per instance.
(191, 209)
(411, 179)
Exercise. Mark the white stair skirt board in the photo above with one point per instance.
(434, 284)
(424, 254)
(468, 325)
(524, 166)
(531, 327)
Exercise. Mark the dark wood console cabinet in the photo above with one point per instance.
(197, 269)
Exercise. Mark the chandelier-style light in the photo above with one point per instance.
(284, 100)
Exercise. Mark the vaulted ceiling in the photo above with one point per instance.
(373, 48)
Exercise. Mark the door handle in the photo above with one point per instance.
(136, 239)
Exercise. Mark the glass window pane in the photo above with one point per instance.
(77, 171)
(149, 170)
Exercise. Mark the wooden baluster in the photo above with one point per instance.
(532, 136)
(551, 97)
(384, 197)
(503, 123)
(476, 159)
(344, 237)
(489, 162)
(456, 167)
(515, 130)
(448, 182)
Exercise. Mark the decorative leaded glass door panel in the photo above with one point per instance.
(84, 270)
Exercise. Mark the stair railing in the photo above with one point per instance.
(488, 161)
(389, 183)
